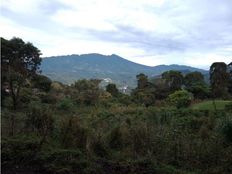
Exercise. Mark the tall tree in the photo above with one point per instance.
(219, 78)
(20, 61)
(194, 83)
(142, 81)
(112, 89)
(192, 78)
(161, 88)
(229, 67)
(173, 79)
(144, 93)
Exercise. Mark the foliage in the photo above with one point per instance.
(180, 99)
(173, 79)
(40, 120)
(228, 106)
(86, 91)
(161, 89)
(83, 129)
(22, 57)
(72, 134)
(142, 81)
(42, 82)
(144, 97)
(65, 104)
(194, 83)
(226, 129)
(219, 79)
(112, 89)
(229, 69)
(57, 86)
(19, 61)
(17, 151)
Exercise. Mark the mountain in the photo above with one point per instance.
(111, 68)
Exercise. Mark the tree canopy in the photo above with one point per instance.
(20, 61)
(24, 58)
(173, 79)
(219, 78)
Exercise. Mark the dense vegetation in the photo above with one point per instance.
(172, 124)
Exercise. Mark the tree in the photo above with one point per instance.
(22, 57)
(142, 81)
(229, 67)
(42, 82)
(194, 83)
(161, 89)
(112, 89)
(173, 79)
(144, 93)
(86, 91)
(219, 78)
(20, 61)
(192, 78)
(144, 97)
(180, 99)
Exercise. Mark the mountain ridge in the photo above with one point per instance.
(69, 68)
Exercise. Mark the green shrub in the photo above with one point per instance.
(72, 134)
(40, 120)
(115, 139)
(20, 150)
(42, 82)
(228, 107)
(26, 95)
(47, 98)
(63, 161)
(97, 146)
(180, 99)
(226, 130)
(65, 104)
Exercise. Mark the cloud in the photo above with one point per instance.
(150, 32)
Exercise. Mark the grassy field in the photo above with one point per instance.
(209, 105)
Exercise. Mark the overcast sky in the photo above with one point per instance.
(150, 32)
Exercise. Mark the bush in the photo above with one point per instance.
(19, 150)
(42, 82)
(63, 161)
(40, 120)
(226, 130)
(48, 98)
(180, 99)
(72, 134)
(65, 104)
(228, 107)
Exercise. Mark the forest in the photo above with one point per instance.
(174, 124)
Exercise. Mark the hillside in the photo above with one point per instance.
(69, 68)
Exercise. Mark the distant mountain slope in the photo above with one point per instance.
(69, 68)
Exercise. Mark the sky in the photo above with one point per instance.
(150, 32)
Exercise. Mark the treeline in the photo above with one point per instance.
(20, 68)
(49, 127)
(172, 84)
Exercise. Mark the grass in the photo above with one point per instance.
(208, 105)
